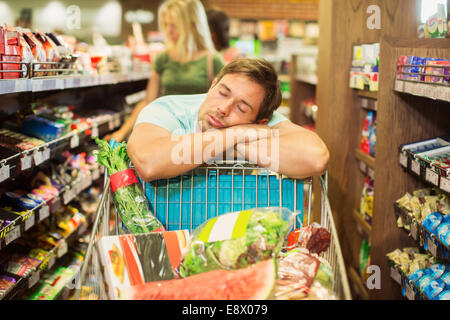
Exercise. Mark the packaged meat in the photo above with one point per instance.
(314, 237)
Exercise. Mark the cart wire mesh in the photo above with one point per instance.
(187, 201)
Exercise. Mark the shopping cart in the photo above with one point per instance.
(187, 201)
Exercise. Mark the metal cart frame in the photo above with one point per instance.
(91, 275)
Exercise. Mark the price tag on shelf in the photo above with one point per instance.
(30, 221)
(409, 87)
(432, 247)
(12, 235)
(117, 121)
(33, 279)
(111, 124)
(414, 230)
(362, 166)
(51, 262)
(26, 162)
(94, 130)
(371, 173)
(4, 172)
(396, 276)
(74, 141)
(432, 176)
(44, 212)
(46, 154)
(56, 205)
(62, 248)
(420, 89)
(96, 173)
(409, 292)
(430, 91)
(38, 157)
(445, 184)
(399, 85)
(68, 196)
(415, 167)
(403, 160)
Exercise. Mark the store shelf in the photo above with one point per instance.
(12, 166)
(67, 82)
(426, 174)
(362, 223)
(54, 255)
(307, 78)
(17, 227)
(358, 282)
(426, 240)
(421, 89)
(366, 158)
(367, 94)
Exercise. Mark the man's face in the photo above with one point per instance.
(234, 100)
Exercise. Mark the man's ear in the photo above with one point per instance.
(263, 121)
(213, 83)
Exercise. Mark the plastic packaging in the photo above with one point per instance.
(128, 197)
(236, 240)
(314, 237)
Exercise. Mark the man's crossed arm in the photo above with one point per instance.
(285, 148)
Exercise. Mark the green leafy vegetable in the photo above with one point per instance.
(130, 201)
(263, 239)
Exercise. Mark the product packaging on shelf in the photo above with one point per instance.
(10, 52)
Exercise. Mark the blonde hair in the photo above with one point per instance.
(192, 24)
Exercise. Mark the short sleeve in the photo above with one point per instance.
(277, 117)
(158, 114)
(217, 63)
(160, 60)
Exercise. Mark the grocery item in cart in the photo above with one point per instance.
(136, 259)
(128, 197)
(314, 237)
(297, 270)
(255, 282)
(236, 240)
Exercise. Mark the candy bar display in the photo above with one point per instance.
(368, 135)
(423, 69)
(366, 203)
(365, 64)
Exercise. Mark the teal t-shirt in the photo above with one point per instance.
(179, 113)
(185, 78)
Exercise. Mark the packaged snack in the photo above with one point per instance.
(419, 274)
(21, 265)
(434, 288)
(6, 283)
(432, 221)
(9, 52)
(424, 281)
(446, 278)
(437, 270)
(128, 197)
(39, 54)
(444, 295)
(236, 240)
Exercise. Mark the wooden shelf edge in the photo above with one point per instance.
(366, 227)
(310, 79)
(367, 94)
(366, 158)
(356, 278)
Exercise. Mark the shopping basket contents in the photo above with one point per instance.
(243, 228)
(128, 197)
(236, 240)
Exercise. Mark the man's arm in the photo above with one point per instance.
(290, 150)
(157, 154)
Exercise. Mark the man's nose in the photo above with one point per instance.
(226, 108)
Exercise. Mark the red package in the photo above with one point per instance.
(9, 52)
(314, 237)
(39, 54)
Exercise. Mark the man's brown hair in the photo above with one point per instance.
(263, 73)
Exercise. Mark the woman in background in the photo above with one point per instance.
(219, 24)
(189, 63)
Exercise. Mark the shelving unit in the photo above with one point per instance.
(339, 123)
(23, 91)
